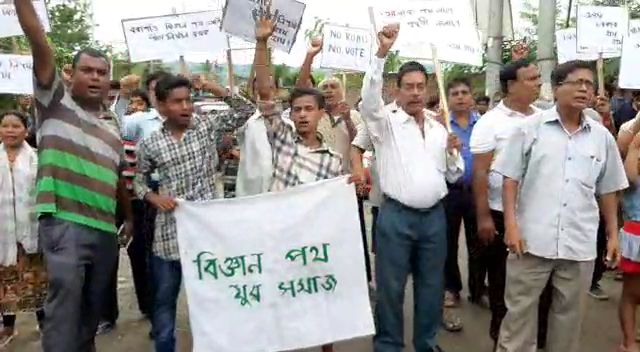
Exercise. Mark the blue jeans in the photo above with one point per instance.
(167, 277)
(409, 241)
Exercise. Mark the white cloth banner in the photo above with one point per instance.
(240, 20)
(566, 43)
(447, 24)
(9, 25)
(346, 48)
(630, 62)
(169, 37)
(601, 28)
(275, 272)
(16, 74)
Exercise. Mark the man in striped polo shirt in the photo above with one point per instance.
(78, 186)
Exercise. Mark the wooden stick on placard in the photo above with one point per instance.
(440, 79)
(230, 66)
(600, 66)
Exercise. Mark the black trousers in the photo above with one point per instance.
(599, 266)
(139, 255)
(365, 244)
(496, 255)
(459, 206)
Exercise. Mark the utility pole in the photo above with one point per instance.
(546, 35)
(494, 48)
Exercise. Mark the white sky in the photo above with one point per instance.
(108, 15)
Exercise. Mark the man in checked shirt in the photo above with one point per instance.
(299, 156)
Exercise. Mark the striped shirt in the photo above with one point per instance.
(79, 161)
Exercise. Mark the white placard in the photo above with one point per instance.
(447, 24)
(9, 25)
(630, 62)
(240, 20)
(566, 43)
(169, 37)
(346, 48)
(600, 29)
(275, 272)
(16, 74)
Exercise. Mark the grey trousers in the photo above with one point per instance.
(80, 261)
(527, 276)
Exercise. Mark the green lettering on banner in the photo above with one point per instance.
(308, 285)
(319, 254)
(229, 267)
(246, 294)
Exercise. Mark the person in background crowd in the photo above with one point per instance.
(138, 102)
(299, 156)
(77, 235)
(23, 279)
(558, 151)
(622, 106)
(26, 107)
(459, 206)
(140, 125)
(482, 104)
(520, 83)
(112, 96)
(416, 158)
(187, 172)
(128, 84)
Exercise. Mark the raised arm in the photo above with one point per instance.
(304, 79)
(372, 104)
(44, 65)
(631, 160)
(264, 28)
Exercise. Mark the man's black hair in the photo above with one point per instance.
(302, 92)
(560, 73)
(139, 93)
(510, 73)
(168, 83)
(22, 117)
(154, 76)
(408, 67)
(483, 99)
(89, 52)
(462, 81)
(114, 85)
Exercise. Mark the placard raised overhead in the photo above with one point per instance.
(169, 37)
(600, 29)
(9, 25)
(447, 24)
(346, 48)
(240, 20)
(630, 62)
(566, 43)
(16, 74)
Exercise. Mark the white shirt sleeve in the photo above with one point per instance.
(372, 106)
(483, 139)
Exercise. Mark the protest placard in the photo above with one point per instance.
(566, 43)
(240, 20)
(285, 269)
(630, 62)
(9, 25)
(346, 48)
(600, 29)
(16, 74)
(447, 24)
(171, 36)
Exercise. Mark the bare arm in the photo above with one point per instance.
(609, 209)
(631, 163)
(625, 137)
(124, 200)
(44, 65)
(304, 79)
(481, 167)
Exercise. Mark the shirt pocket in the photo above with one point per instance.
(586, 168)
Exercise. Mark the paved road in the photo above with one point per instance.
(600, 331)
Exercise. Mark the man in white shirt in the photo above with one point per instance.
(520, 81)
(416, 156)
(559, 169)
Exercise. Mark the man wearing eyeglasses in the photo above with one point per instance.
(557, 167)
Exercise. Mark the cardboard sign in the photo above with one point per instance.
(169, 37)
(275, 272)
(566, 43)
(447, 24)
(9, 25)
(600, 29)
(630, 62)
(346, 48)
(240, 20)
(16, 74)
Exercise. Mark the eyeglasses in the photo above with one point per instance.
(580, 83)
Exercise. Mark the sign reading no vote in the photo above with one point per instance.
(169, 37)
(275, 272)
(16, 74)
(346, 48)
(9, 25)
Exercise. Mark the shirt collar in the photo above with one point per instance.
(474, 116)
(192, 125)
(322, 148)
(552, 115)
